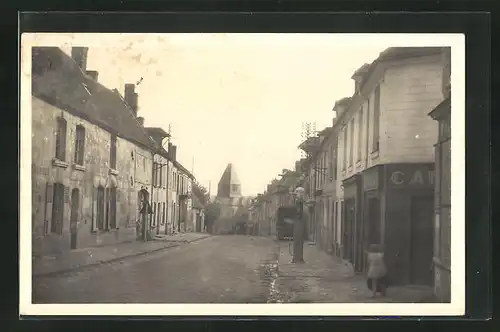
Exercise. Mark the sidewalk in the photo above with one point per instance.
(88, 257)
(326, 279)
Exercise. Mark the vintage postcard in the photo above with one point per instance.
(242, 174)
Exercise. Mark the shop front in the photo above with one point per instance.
(373, 209)
(351, 222)
(407, 227)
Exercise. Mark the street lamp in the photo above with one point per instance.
(298, 229)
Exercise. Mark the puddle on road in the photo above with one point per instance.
(268, 271)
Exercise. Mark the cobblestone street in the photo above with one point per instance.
(219, 269)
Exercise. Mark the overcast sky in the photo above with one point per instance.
(234, 98)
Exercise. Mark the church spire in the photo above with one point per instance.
(229, 184)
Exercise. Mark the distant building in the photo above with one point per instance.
(229, 192)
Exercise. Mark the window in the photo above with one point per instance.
(334, 164)
(153, 217)
(112, 152)
(79, 145)
(160, 170)
(164, 213)
(61, 139)
(351, 143)
(159, 214)
(57, 209)
(155, 169)
(112, 208)
(345, 148)
(235, 187)
(360, 132)
(376, 119)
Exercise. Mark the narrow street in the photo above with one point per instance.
(219, 269)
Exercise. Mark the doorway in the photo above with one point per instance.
(198, 222)
(57, 209)
(100, 208)
(75, 206)
(349, 229)
(421, 240)
(371, 226)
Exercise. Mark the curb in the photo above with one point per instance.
(82, 267)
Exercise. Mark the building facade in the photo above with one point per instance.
(88, 167)
(442, 217)
(386, 164)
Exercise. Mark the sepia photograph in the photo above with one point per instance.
(251, 174)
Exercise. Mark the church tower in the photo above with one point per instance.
(229, 184)
(229, 192)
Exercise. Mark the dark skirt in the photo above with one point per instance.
(382, 284)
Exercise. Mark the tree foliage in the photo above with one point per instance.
(201, 192)
(212, 212)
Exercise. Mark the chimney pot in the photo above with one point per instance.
(94, 74)
(79, 55)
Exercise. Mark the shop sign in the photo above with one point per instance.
(417, 177)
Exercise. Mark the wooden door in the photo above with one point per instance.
(75, 207)
(422, 239)
(57, 209)
(100, 208)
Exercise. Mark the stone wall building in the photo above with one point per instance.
(160, 223)
(90, 156)
(184, 181)
(386, 164)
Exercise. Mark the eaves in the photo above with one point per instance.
(82, 115)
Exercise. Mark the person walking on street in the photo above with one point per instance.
(377, 271)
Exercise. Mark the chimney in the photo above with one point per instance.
(140, 120)
(131, 97)
(79, 55)
(94, 74)
(359, 76)
(174, 153)
(297, 166)
(169, 150)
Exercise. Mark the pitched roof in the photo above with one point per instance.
(183, 169)
(228, 179)
(58, 80)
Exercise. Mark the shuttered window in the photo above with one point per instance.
(61, 139)
(376, 119)
(112, 152)
(79, 145)
(360, 134)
